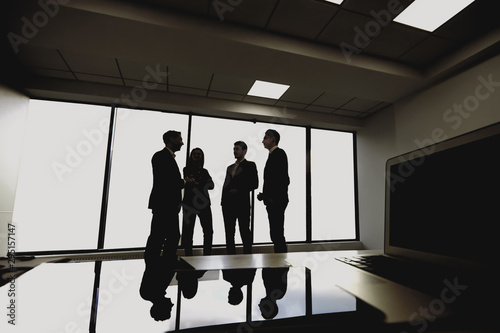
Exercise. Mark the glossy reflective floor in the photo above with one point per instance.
(241, 292)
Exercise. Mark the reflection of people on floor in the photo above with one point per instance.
(153, 288)
(238, 278)
(275, 282)
(188, 282)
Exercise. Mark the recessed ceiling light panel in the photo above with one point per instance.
(268, 89)
(431, 14)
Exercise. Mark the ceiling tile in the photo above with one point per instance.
(193, 6)
(146, 85)
(298, 95)
(259, 100)
(316, 108)
(366, 7)
(41, 57)
(228, 96)
(478, 18)
(378, 107)
(364, 115)
(428, 50)
(394, 40)
(186, 90)
(348, 113)
(255, 13)
(231, 84)
(332, 100)
(303, 18)
(344, 28)
(298, 106)
(151, 73)
(91, 64)
(192, 77)
(99, 79)
(52, 73)
(359, 104)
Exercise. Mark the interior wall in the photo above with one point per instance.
(13, 111)
(375, 144)
(461, 104)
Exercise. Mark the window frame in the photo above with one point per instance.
(187, 139)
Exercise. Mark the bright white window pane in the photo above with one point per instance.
(332, 185)
(216, 137)
(59, 190)
(138, 135)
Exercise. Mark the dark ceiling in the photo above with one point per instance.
(349, 60)
(330, 24)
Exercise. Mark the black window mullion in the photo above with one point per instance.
(188, 145)
(308, 187)
(107, 174)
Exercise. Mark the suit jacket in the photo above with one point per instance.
(167, 182)
(197, 195)
(276, 179)
(245, 180)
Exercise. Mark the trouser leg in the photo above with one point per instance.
(276, 215)
(164, 236)
(245, 232)
(188, 220)
(230, 226)
(207, 226)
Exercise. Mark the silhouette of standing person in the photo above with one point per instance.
(165, 202)
(275, 189)
(241, 179)
(196, 202)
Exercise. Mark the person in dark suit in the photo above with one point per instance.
(196, 202)
(241, 179)
(165, 203)
(275, 189)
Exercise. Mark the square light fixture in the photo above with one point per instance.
(267, 89)
(338, 2)
(430, 14)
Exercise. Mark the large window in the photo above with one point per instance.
(65, 185)
(138, 135)
(59, 190)
(332, 185)
(216, 137)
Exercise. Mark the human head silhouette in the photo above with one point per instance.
(161, 309)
